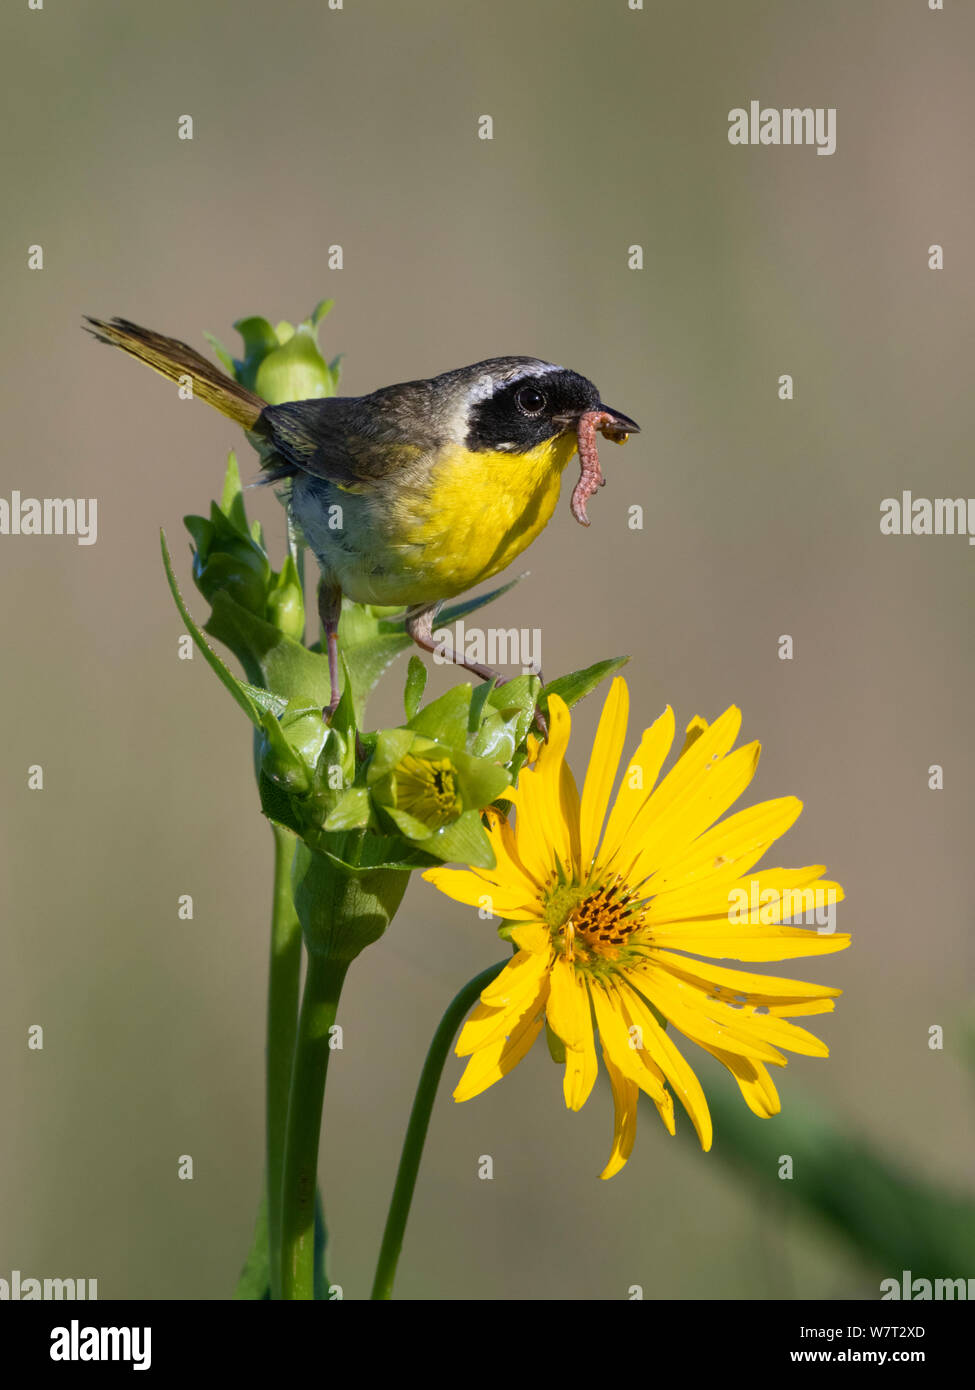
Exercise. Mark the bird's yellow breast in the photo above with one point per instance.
(480, 510)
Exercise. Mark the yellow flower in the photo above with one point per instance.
(610, 913)
(426, 788)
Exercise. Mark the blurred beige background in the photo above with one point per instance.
(762, 517)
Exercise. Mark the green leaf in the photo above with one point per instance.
(320, 310)
(202, 532)
(344, 718)
(309, 735)
(264, 699)
(515, 700)
(416, 680)
(228, 680)
(471, 605)
(480, 781)
(579, 684)
(342, 913)
(351, 811)
(496, 739)
(464, 841)
(239, 568)
(391, 745)
(280, 762)
(370, 644)
(232, 500)
(445, 719)
(278, 805)
(338, 751)
(380, 852)
(409, 826)
(478, 699)
(224, 357)
(284, 665)
(373, 636)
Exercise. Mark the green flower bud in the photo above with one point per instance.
(302, 767)
(423, 786)
(340, 912)
(307, 734)
(295, 371)
(286, 603)
(229, 561)
(238, 572)
(433, 794)
(283, 362)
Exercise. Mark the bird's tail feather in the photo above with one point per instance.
(176, 360)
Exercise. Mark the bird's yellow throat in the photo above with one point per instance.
(482, 509)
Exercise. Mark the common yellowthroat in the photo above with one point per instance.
(440, 483)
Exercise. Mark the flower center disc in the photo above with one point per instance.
(601, 918)
(606, 917)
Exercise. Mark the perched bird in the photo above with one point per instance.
(440, 483)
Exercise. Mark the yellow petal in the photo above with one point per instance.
(558, 798)
(718, 896)
(693, 732)
(625, 1094)
(532, 936)
(491, 1063)
(509, 868)
(687, 1009)
(754, 1082)
(568, 1005)
(580, 1065)
(638, 783)
(814, 1006)
(740, 835)
(617, 1050)
(739, 1028)
(741, 984)
(635, 1063)
(712, 874)
(670, 1060)
(488, 1024)
(751, 943)
(465, 887)
(532, 846)
(607, 749)
(570, 808)
(774, 1029)
(520, 976)
(684, 778)
(717, 788)
(546, 821)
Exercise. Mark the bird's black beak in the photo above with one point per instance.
(618, 426)
(613, 424)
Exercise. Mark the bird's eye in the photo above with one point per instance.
(530, 400)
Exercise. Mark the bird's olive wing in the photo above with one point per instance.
(349, 440)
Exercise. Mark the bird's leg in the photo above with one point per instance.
(419, 624)
(330, 610)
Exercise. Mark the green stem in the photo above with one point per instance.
(282, 1026)
(319, 1004)
(416, 1130)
